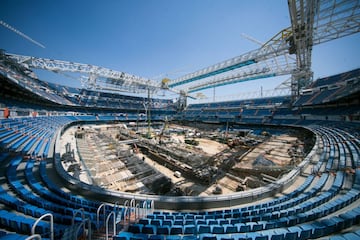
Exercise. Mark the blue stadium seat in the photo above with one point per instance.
(149, 229)
(135, 228)
(176, 230)
(217, 229)
(144, 221)
(203, 229)
(156, 222)
(229, 228)
(163, 230)
(190, 229)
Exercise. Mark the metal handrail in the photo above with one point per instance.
(51, 224)
(81, 211)
(82, 224)
(34, 236)
(98, 213)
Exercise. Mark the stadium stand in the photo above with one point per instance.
(325, 205)
(330, 89)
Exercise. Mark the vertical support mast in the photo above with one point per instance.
(149, 114)
(302, 13)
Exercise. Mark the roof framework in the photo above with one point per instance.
(312, 22)
(97, 77)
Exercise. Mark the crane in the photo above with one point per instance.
(272, 59)
(312, 22)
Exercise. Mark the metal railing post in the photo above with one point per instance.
(107, 225)
(137, 211)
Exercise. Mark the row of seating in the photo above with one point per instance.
(13, 221)
(62, 215)
(270, 210)
(31, 136)
(240, 103)
(46, 194)
(277, 219)
(347, 236)
(4, 235)
(30, 197)
(59, 192)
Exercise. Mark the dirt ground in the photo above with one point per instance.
(206, 145)
(209, 146)
(276, 149)
(212, 147)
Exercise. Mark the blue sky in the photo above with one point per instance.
(158, 38)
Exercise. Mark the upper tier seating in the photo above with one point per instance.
(330, 89)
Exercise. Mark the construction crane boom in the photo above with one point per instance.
(312, 22)
(272, 59)
(249, 58)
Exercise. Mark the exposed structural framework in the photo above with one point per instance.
(99, 78)
(268, 61)
(302, 15)
(312, 22)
